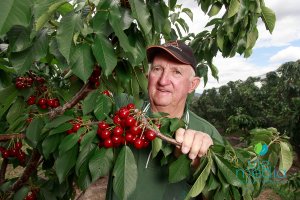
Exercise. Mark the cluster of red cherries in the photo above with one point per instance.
(14, 151)
(76, 124)
(126, 129)
(24, 82)
(43, 103)
(32, 195)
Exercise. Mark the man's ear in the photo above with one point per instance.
(194, 83)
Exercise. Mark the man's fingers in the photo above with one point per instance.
(207, 142)
(179, 135)
(187, 141)
(196, 146)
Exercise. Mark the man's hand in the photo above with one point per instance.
(194, 143)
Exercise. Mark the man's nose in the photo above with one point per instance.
(164, 78)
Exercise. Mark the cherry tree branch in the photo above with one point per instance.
(30, 168)
(4, 137)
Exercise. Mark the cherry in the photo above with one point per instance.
(56, 103)
(117, 120)
(138, 143)
(42, 101)
(105, 134)
(116, 140)
(108, 143)
(135, 130)
(103, 125)
(40, 80)
(130, 121)
(75, 127)
(146, 143)
(70, 131)
(30, 197)
(150, 135)
(31, 100)
(117, 131)
(18, 145)
(51, 102)
(123, 113)
(107, 93)
(5, 154)
(43, 106)
(129, 137)
(130, 106)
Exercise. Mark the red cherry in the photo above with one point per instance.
(117, 131)
(97, 84)
(43, 106)
(75, 127)
(117, 140)
(105, 134)
(130, 121)
(42, 101)
(31, 100)
(135, 130)
(18, 145)
(20, 85)
(146, 143)
(51, 102)
(14, 152)
(129, 137)
(5, 154)
(130, 106)
(21, 156)
(30, 197)
(40, 80)
(117, 120)
(56, 103)
(123, 113)
(70, 131)
(103, 125)
(150, 135)
(138, 143)
(108, 143)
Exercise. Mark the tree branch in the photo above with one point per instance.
(78, 96)
(4, 137)
(30, 168)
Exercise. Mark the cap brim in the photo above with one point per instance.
(153, 50)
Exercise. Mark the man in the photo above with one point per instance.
(171, 78)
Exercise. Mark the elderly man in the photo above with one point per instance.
(171, 78)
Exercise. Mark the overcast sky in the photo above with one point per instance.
(269, 52)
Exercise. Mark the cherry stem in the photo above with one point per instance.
(158, 133)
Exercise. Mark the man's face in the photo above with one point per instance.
(170, 82)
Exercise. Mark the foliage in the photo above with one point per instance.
(270, 101)
(65, 66)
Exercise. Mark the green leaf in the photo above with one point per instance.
(58, 121)
(214, 71)
(61, 128)
(286, 158)
(104, 54)
(84, 177)
(69, 25)
(21, 193)
(14, 12)
(125, 173)
(201, 180)
(228, 172)
(176, 124)
(82, 62)
(156, 146)
(179, 169)
(34, 131)
(70, 141)
(172, 4)
(50, 144)
(19, 38)
(251, 38)
(65, 162)
(51, 8)
(216, 7)
(88, 138)
(103, 107)
(141, 13)
(89, 102)
(101, 163)
(84, 155)
(22, 61)
(16, 110)
(142, 80)
(233, 8)
(269, 18)
(188, 12)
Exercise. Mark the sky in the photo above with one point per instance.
(270, 51)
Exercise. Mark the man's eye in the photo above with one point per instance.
(177, 72)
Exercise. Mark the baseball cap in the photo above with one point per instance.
(178, 49)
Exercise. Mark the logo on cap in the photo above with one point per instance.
(261, 149)
(173, 44)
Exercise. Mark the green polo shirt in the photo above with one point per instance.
(152, 183)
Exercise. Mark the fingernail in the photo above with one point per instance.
(185, 150)
(192, 156)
